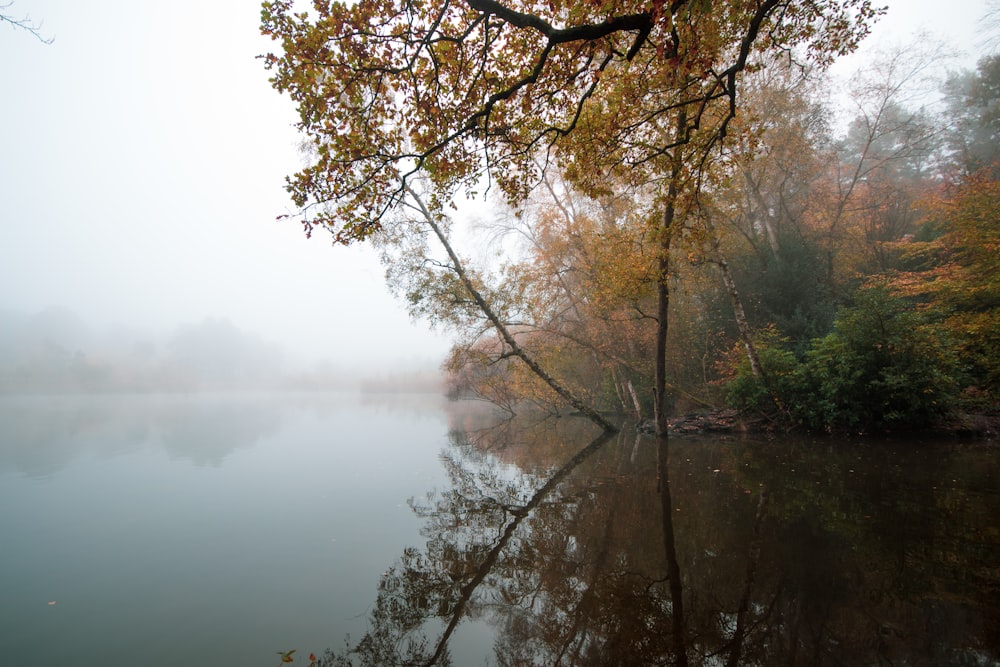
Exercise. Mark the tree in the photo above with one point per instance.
(463, 90)
(808, 214)
(471, 94)
(763, 206)
(989, 26)
(955, 276)
(452, 293)
(879, 165)
(584, 280)
(973, 100)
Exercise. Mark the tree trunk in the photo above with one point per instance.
(662, 328)
(635, 400)
(663, 285)
(764, 215)
(505, 334)
(746, 335)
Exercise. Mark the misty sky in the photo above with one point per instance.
(141, 170)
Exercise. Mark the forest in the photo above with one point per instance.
(861, 266)
(684, 213)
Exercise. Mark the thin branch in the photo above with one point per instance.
(24, 24)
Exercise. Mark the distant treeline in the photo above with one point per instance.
(55, 351)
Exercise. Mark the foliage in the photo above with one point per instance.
(788, 290)
(956, 276)
(782, 375)
(288, 657)
(389, 90)
(880, 369)
(584, 284)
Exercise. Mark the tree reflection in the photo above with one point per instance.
(640, 552)
(670, 552)
(40, 435)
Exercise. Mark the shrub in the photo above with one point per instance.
(880, 369)
(752, 395)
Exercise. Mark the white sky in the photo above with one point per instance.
(142, 161)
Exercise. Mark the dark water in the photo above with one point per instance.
(220, 531)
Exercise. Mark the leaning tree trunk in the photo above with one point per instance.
(742, 324)
(505, 334)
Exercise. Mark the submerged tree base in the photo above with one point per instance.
(714, 421)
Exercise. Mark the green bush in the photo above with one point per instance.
(880, 369)
(752, 395)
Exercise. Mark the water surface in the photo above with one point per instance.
(208, 530)
(218, 530)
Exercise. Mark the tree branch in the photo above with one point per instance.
(24, 24)
(502, 330)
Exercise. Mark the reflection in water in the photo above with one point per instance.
(40, 435)
(147, 553)
(670, 553)
(703, 552)
(206, 433)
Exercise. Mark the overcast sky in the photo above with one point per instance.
(141, 169)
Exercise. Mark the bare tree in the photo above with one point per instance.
(989, 26)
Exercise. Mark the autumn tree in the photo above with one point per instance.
(471, 95)
(878, 168)
(586, 283)
(855, 204)
(447, 290)
(752, 195)
(955, 277)
(807, 213)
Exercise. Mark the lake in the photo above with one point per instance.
(224, 529)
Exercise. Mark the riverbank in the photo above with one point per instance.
(975, 426)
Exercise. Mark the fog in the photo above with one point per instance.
(55, 350)
(143, 162)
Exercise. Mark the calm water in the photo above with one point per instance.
(221, 530)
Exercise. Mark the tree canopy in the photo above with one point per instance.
(471, 93)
